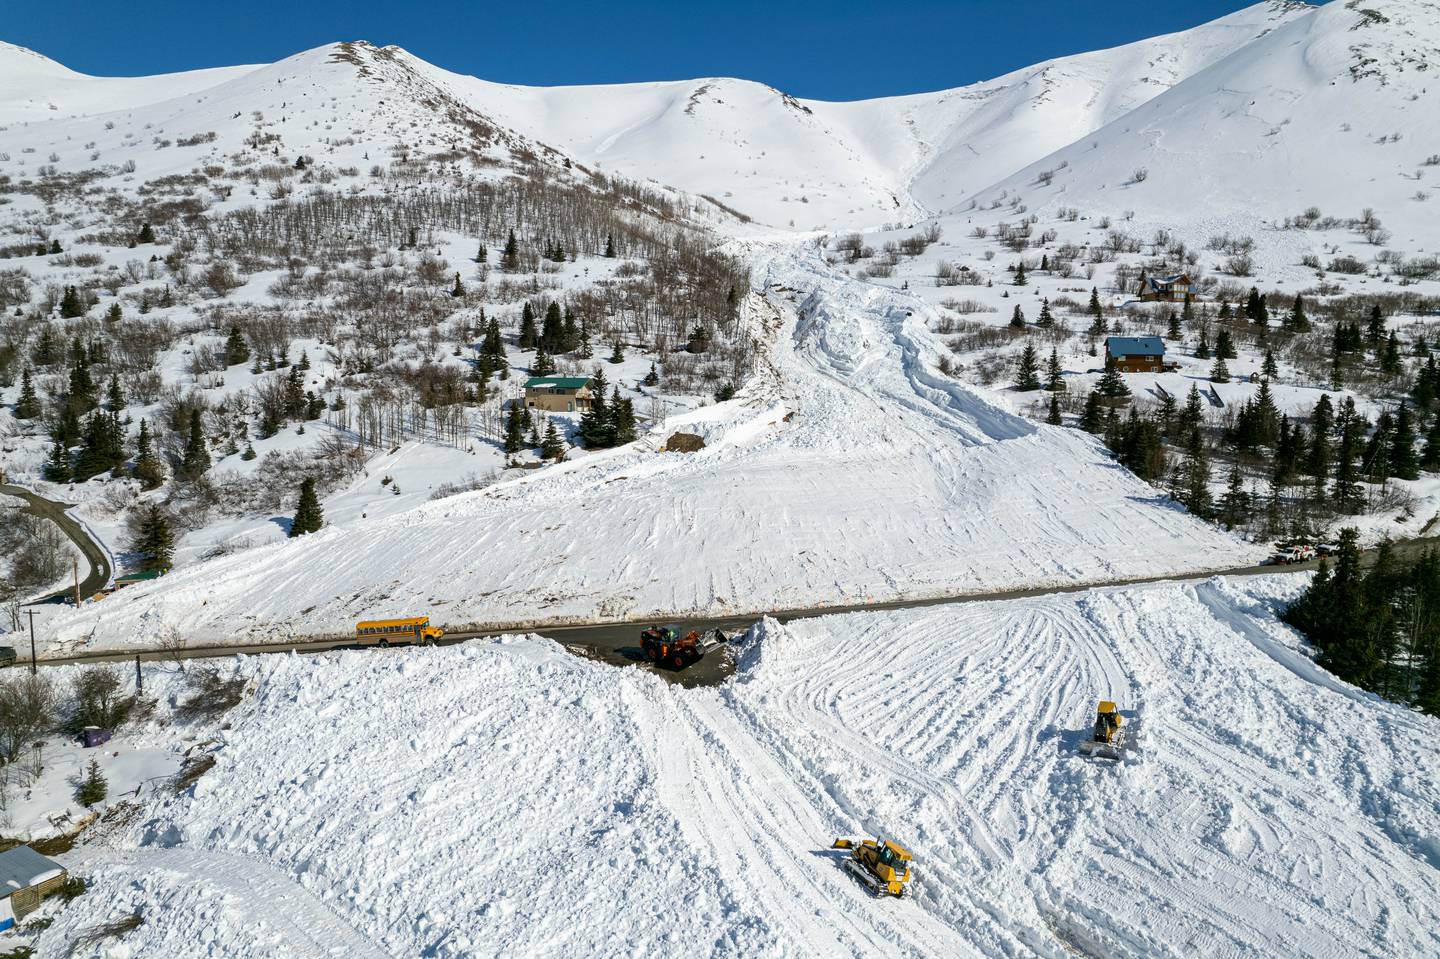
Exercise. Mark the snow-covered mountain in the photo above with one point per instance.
(783, 161)
(1334, 109)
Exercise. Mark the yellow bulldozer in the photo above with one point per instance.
(1108, 738)
(880, 864)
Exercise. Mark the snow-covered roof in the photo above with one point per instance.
(1162, 283)
(1135, 346)
(557, 382)
(23, 867)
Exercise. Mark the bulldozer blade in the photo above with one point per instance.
(843, 844)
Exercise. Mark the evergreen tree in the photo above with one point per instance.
(1166, 413)
(93, 788)
(1202, 346)
(569, 332)
(609, 247)
(101, 447)
(1296, 320)
(1346, 492)
(528, 338)
(1017, 319)
(27, 407)
(1219, 372)
(1112, 382)
(1235, 504)
(1054, 375)
(1046, 319)
(551, 448)
(1092, 420)
(1269, 369)
(308, 515)
(156, 542)
(1027, 374)
(197, 456)
(1225, 345)
(543, 365)
(617, 355)
(652, 378)
(1375, 328)
(148, 469)
(114, 396)
(1020, 273)
(237, 351)
(1403, 462)
(1390, 355)
(71, 305)
(482, 254)
(510, 259)
(57, 464)
(114, 314)
(1097, 314)
(1053, 417)
(146, 235)
(47, 347)
(1193, 489)
(1172, 330)
(82, 388)
(1431, 458)
(551, 330)
(514, 431)
(624, 418)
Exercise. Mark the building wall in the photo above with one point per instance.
(1140, 364)
(557, 402)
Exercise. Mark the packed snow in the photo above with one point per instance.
(1264, 809)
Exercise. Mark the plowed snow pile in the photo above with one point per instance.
(505, 798)
(851, 471)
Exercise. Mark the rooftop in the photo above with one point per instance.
(557, 382)
(23, 867)
(1135, 346)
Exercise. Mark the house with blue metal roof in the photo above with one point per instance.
(1136, 354)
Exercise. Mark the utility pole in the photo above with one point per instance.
(75, 568)
(139, 681)
(33, 667)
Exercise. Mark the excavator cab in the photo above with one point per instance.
(880, 864)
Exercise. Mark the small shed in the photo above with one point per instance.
(26, 877)
(1136, 354)
(1165, 289)
(558, 394)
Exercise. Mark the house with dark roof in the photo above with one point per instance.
(1165, 289)
(1136, 354)
(26, 877)
(558, 394)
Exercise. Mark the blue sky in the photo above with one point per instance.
(836, 50)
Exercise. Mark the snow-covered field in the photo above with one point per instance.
(1265, 809)
(850, 471)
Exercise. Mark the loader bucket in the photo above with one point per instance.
(843, 844)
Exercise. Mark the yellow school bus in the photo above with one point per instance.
(397, 632)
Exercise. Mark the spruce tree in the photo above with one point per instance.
(1020, 273)
(1269, 368)
(114, 396)
(514, 431)
(1092, 420)
(543, 365)
(148, 469)
(609, 247)
(237, 350)
(1374, 329)
(1403, 462)
(197, 456)
(551, 448)
(458, 290)
(1225, 345)
(1202, 346)
(1235, 504)
(1112, 382)
(27, 407)
(156, 542)
(1097, 314)
(652, 378)
(551, 330)
(1027, 373)
(308, 515)
(114, 314)
(1054, 375)
(82, 388)
(1017, 319)
(481, 254)
(1296, 320)
(1053, 416)
(1194, 487)
(1172, 330)
(93, 788)
(617, 355)
(1219, 372)
(71, 304)
(1046, 319)
(510, 259)
(624, 420)
(528, 336)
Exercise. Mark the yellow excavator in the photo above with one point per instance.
(882, 865)
(1108, 738)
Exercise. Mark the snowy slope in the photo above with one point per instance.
(35, 88)
(783, 161)
(851, 471)
(1292, 120)
(1247, 822)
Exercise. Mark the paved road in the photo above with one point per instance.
(618, 643)
(94, 553)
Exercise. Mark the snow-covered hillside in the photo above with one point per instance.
(1265, 810)
(1333, 110)
(850, 471)
(783, 161)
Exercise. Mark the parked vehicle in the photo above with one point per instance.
(397, 632)
(1293, 554)
(7, 656)
(92, 736)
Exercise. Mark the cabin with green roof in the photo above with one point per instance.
(558, 394)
